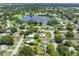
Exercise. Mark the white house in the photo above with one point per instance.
(4, 47)
(31, 41)
(31, 36)
(72, 48)
(16, 34)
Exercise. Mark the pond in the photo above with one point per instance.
(38, 19)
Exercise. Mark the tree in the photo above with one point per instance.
(13, 29)
(26, 33)
(35, 29)
(70, 27)
(78, 30)
(40, 23)
(22, 27)
(50, 48)
(69, 34)
(76, 21)
(56, 32)
(7, 39)
(36, 36)
(31, 22)
(22, 33)
(53, 22)
(77, 48)
(19, 21)
(69, 16)
(30, 31)
(58, 38)
(26, 51)
(63, 50)
(2, 30)
(72, 52)
(55, 53)
(67, 43)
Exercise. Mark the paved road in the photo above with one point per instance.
(54, 43)
(45, 43)
(17, 47)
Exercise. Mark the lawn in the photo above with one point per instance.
(25, 40)
(39, 50)
(74, 42)
(12, 47)
(50, 40)
(18, 15)
(41, 38)
(8, 53)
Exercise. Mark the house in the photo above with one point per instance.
(74, 30)
(4, 47)
(16, 34)
(62, 35)
(72, 48)
(27, 27)
(7, 30)
(43, 35)
(27, 45)
(30, 41)
(78, 40)
(17, 26)
(64, 41)
(3, 34)
(31, 36)
(45, 47)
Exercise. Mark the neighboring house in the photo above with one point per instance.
(30, 41)
(64, 41)
(43, 35)
(72, 49)
(45, 47)
(17, 26)
(3, 34)
(62, 35)
(31, 36)
(64, 26)
(74, 30)
(16, 34)
(27, 45)
(4, 47)
(78, 40)
(8, 30)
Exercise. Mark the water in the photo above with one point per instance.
(38, 19)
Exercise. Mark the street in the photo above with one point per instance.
(52, 36)
(17, 47)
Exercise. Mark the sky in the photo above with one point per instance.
(39, 1)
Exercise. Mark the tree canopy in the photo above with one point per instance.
(7, 39)
(26, 51)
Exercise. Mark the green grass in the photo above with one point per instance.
(18, 15)
(12, 47)
(74, 42)
(50, 40)
(25, 40)
(8, 53)
(39, 50)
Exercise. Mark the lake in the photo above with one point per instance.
(38, 19)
